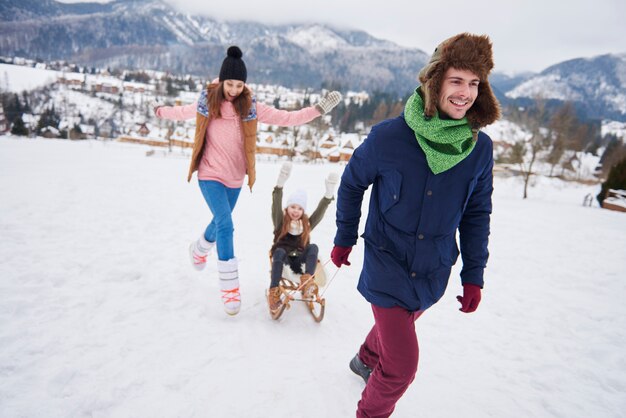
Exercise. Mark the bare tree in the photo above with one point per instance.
(614, 152)
(555, 155)
(380, 113)
(569, 135)
(524, 152)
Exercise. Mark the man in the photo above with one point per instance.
(431, 171)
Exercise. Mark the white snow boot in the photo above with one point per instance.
(229, 285)
(198, 252)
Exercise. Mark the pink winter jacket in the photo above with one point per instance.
(223, 158)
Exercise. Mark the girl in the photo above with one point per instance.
(223, 153)
(292, 229)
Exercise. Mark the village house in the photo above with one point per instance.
(145, 134)
(182, 136)
(267, 145)
(72, 80)
(615, 200)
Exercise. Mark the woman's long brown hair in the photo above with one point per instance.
(306, 229)
(215, 97)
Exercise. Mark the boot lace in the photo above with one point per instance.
(275, 301)
(199, 259)
(231, 295)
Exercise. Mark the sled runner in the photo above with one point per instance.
(292, 290)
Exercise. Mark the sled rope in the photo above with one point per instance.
(289, 294)
(331, 279)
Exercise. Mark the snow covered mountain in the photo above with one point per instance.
(150, 34)
(597, 85)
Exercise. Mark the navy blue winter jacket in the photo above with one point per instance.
(410, 233)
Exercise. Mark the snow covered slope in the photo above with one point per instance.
(101, 314)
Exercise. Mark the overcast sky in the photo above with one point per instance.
(528, 35)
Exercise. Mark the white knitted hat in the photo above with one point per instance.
(297, 198)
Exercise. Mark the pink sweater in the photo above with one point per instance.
(224, 159)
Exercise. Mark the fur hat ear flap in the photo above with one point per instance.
(430, 77)
(431, 84)
(486, 108)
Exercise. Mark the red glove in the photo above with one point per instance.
(470, 299)
(339, 255)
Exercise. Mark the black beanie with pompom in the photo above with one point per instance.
(233, 67)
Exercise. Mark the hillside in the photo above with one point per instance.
(150, 34)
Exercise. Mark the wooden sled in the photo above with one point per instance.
(290, 291)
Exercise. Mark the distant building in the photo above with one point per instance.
(106, 87)
(349, 143)
(329, 143)
(144, 133)
(615, 200)
(267, 145)
(50, 132)
(182, 136)
(75, 80)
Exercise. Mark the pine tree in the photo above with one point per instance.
(306, 102)
(380, 113)
(614, 152)
(12, 108)
(170, 88)
(48, 118)
(19, 128)
(616, 180)
(26, 106)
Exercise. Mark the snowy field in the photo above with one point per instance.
(17, 78)
(101, 314)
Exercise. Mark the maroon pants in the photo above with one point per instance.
(391, 351)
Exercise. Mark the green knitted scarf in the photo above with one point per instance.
(446, 142)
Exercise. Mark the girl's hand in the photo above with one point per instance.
(155, 105)
(331, 182)
(327, 104)
(285, 171)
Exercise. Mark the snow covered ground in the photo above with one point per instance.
(17, 78)
(101, 314)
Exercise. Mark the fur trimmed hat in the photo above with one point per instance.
(297, 198)
(233, 67)
(464, 51)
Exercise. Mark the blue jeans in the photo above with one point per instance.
(221, 201)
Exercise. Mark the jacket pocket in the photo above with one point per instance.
(390, 185)
(383, 245)
(448, 250)
(437, 282)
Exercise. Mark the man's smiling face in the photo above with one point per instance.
(459, 89)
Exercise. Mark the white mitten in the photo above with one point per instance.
(331, 182)
(327, 104)
(285, 171)
(155, 105)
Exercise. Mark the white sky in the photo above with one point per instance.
(528, 35)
